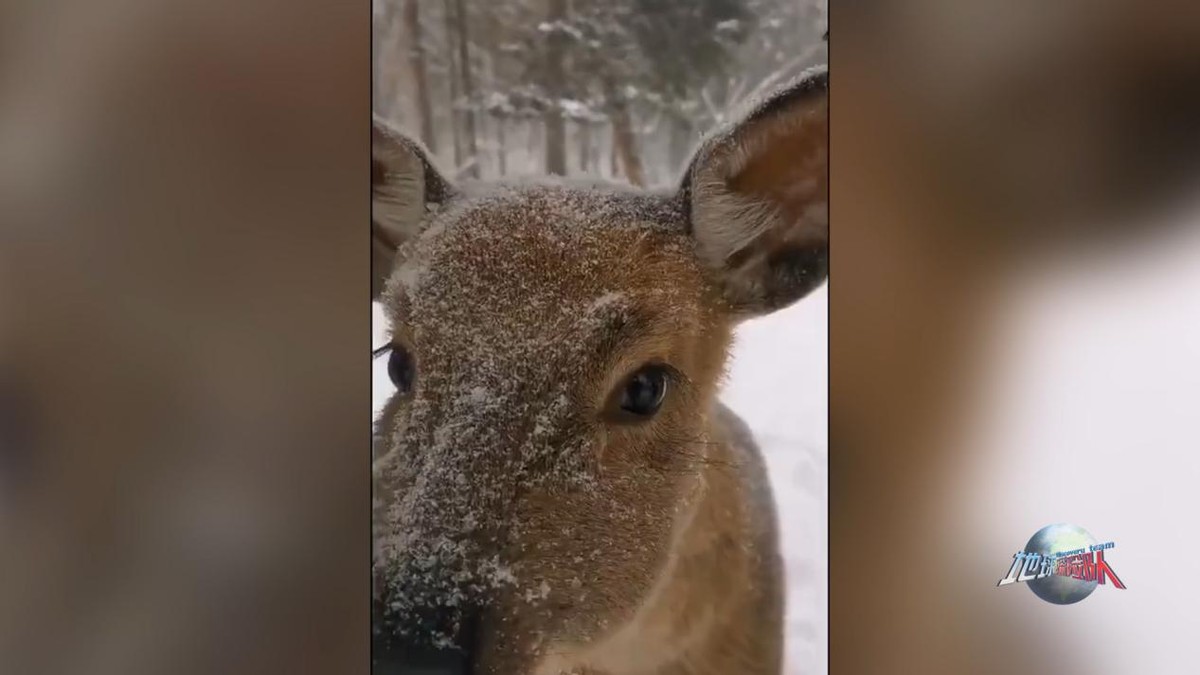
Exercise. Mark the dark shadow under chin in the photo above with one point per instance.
(441, 642)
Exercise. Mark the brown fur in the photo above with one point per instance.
(508, 481)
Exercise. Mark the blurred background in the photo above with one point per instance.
(1012, 329)
(619, 89)
(184, 263)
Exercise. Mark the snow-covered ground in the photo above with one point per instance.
(778, 385)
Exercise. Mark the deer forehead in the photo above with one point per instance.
(517, 266)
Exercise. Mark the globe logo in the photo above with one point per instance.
(1062, 564)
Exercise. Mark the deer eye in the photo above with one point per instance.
(643, 393)
(401, 369)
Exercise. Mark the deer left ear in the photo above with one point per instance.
(404, 182)
(758, 200)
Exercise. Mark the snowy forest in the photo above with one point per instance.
(621, 89)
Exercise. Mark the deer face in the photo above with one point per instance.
(556, 352)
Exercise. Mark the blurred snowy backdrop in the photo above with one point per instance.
(616, 88)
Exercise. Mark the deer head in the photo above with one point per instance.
(556, 350)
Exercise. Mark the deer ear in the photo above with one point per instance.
(404, 185)
(758, 199)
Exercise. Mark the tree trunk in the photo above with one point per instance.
(682, 142)
(468, 88)
(597, 153)
(416, 61)
(501, 146)
(540, 134)
(494, 34)
(388, 45)
(594, 132)
(614, 164)
(585, 146)
(556, 132)
(452, 76)
(624, 140)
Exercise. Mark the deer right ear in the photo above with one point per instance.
(758, 199)
(404, 184)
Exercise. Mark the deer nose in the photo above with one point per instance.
(439, 643)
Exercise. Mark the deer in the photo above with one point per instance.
(557, 487)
